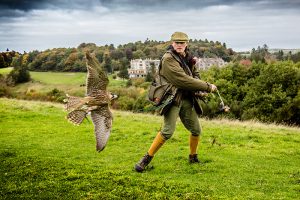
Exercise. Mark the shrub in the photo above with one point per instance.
(124, 103)
(138, 81)
(129, 83)
(18, 75)
(56, 95)
(4, 89)
(142, 104)
(266, 92)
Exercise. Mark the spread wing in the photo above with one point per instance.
(96, 77)
(102, 120)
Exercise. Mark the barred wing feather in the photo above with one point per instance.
(96, 77)
(76, 116)
(102, 120)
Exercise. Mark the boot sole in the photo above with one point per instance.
(138, 168)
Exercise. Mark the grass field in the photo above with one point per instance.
(68, 78)
(44, 157)
(5, 70)
(69, 82)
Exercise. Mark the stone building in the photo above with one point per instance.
(205, 63)
(140, 68)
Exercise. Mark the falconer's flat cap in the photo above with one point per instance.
(179, 37)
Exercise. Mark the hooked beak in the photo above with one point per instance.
(113, 96)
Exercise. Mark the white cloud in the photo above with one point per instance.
(241, 28)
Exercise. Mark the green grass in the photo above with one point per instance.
(59, 78)
(44, 157)
(5, 70)
(64, 78)
(69, 82)
(68, 78)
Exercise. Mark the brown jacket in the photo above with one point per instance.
(175, 73)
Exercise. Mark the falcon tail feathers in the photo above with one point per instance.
(77, 116)
(73, 103)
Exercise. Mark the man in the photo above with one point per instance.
(178, 68)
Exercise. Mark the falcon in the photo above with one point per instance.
(96, 102)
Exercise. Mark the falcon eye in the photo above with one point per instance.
(113, 96)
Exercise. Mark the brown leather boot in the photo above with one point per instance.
(143, 163)
(194, 158)
(155, 146)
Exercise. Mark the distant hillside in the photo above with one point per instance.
(274, 50)
(285, 51)
(113, 58)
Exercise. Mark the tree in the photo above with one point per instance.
(148, 77)
(258, 55)
(99, 55)
(128, 53)
(150, 74)
(279, 55)
(123, 73)
(116, 65)
(117, 54)
(138, 54)
(295, 57)
(19, 74)
(111, 47)
(2, 62)
(107, 63)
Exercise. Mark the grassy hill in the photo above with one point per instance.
(42, 156)
(69, 82)
(5, 70)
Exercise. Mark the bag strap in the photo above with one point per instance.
(178, 59)
(181, 62)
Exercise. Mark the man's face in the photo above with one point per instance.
(179, 47)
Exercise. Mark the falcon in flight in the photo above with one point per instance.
(96, 102)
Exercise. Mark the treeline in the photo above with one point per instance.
(266, 92)
(262, 54)
(112, 58)
(6, 58)
(260, 86)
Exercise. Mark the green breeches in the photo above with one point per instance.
(187, 115)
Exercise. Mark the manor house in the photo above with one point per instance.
(205, 63)
(140, 68)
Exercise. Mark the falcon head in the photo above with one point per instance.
(112, 98)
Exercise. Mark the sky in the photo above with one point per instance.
(27, 25)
